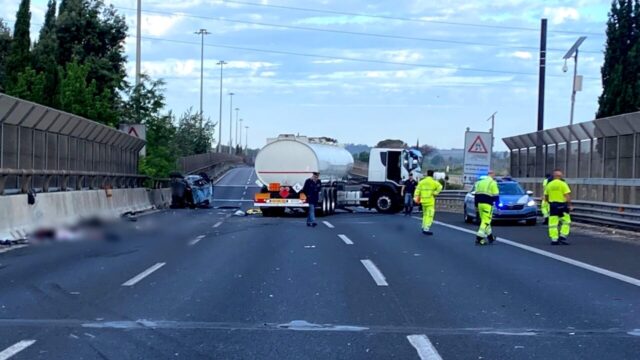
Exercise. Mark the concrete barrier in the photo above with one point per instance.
(18, 218)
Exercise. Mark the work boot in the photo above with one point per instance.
(563, 240)
(314, 224)
(491, 238)
(555, 242)
(479, 240)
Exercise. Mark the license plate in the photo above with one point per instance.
(278, 201)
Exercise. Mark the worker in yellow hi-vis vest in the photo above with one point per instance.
(486, 196)
(544, 206)
(426, 191)
(558, 194)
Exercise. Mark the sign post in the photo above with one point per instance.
(477, 155)
(137, 130)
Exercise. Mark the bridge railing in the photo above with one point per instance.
(610, 214)
(204, 162)
(45, 149)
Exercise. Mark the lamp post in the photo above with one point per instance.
(246, 138)
(577, 80)
(138, 40)
(222, 63)
(493, 138)
(237, 138)
(231, 122)
(240, 135)
(202, 33)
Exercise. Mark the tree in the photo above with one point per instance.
(437, 161)
(426, 150)
(161, 147)
(44, 56)
(29, 86)
(392, 143)
(363, 156)
(620, 71)
(191, 138)
(18, 57)
(5, 45)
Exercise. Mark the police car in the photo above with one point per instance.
(514, 204)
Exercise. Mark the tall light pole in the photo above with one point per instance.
(231, 122)
(577, 81)
(493, 138)
(240, 136)
(246, 137)
(222, 63)
(202, 33)
(138, 41)
(237, 139)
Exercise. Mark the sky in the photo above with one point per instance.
(362, 70)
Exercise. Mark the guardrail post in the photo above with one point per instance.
(3, 180)
(65, 182)
(25, 180)
(79, 182)
(47, 181)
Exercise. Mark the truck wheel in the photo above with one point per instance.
(332, 198)
(384, 204)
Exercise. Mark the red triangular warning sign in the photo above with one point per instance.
(132, 131)
(478, 146)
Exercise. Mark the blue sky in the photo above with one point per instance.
(430, 87)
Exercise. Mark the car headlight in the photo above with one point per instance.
(531, 203)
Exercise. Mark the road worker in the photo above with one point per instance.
(311, 189)
(486, 196)
(544, 206)
(425, 194)
(558, 194)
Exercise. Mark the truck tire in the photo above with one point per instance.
(332, 201)
(385, 203)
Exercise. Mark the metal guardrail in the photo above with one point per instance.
(610, 214)
(203, 162)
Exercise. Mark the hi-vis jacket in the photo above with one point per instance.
(427, 190)
(486, 191)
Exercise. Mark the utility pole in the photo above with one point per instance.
(240, 136)
(138, 41)
(577, 82)
(222, 63)
(237, 139)
(202, 33)
(493, 138)
(246, 138)
(231, 122)
(542, 73)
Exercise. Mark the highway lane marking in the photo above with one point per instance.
(143, 274)
(375, 273)
(217, 224)
(15, 348)
(345, 239)
(580, 264)
(424, 347)
(14, 247)
(196, 240)
(231, 200)
(329, 225)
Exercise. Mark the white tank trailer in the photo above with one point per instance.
(285, 162)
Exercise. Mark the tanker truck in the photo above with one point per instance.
(283, 165)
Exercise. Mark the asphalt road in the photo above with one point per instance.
(202, 284)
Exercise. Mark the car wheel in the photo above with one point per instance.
(467, 218)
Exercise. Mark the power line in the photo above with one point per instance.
(346, 32)
(344, 58)
(398, 18)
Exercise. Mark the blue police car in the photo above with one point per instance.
(514, 204)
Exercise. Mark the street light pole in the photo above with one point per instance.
(237, 139)
(573, 52)
(222, 63)
(240, 136)
(231, 122)
(202, 33)
(246, 138)
(493, 138)
(138, 40)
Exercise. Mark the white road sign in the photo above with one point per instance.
(477, 155)
(137, 130)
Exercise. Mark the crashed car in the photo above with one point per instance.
(193, 191)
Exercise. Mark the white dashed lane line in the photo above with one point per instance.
(15, 348)
(345, 239)
(216, 225)
(196, 240)
(375, 273)
(424, 347)
(328, 224)
(134, 280)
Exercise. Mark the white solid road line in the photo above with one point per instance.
(329, 225)
(143, 274)
(374, 272)
(196, 240)
(345, 239)
(10, 248)
(580, 264)
(217, 224)
(15, 348)
(426, 350)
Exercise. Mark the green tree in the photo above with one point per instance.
(144, 101)
(191, 138)
(18, 57)
(44, 56)
(363, 156)
(29, 85)
(161, 147)
(90, 33)
(5, 45)
(620, 75)
(437, 161)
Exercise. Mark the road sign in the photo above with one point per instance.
(477, 155)
(137, 130)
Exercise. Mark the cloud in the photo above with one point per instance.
(328, 61)
(525, 55)
(159, 25)
(337, 20)
(561, 14)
